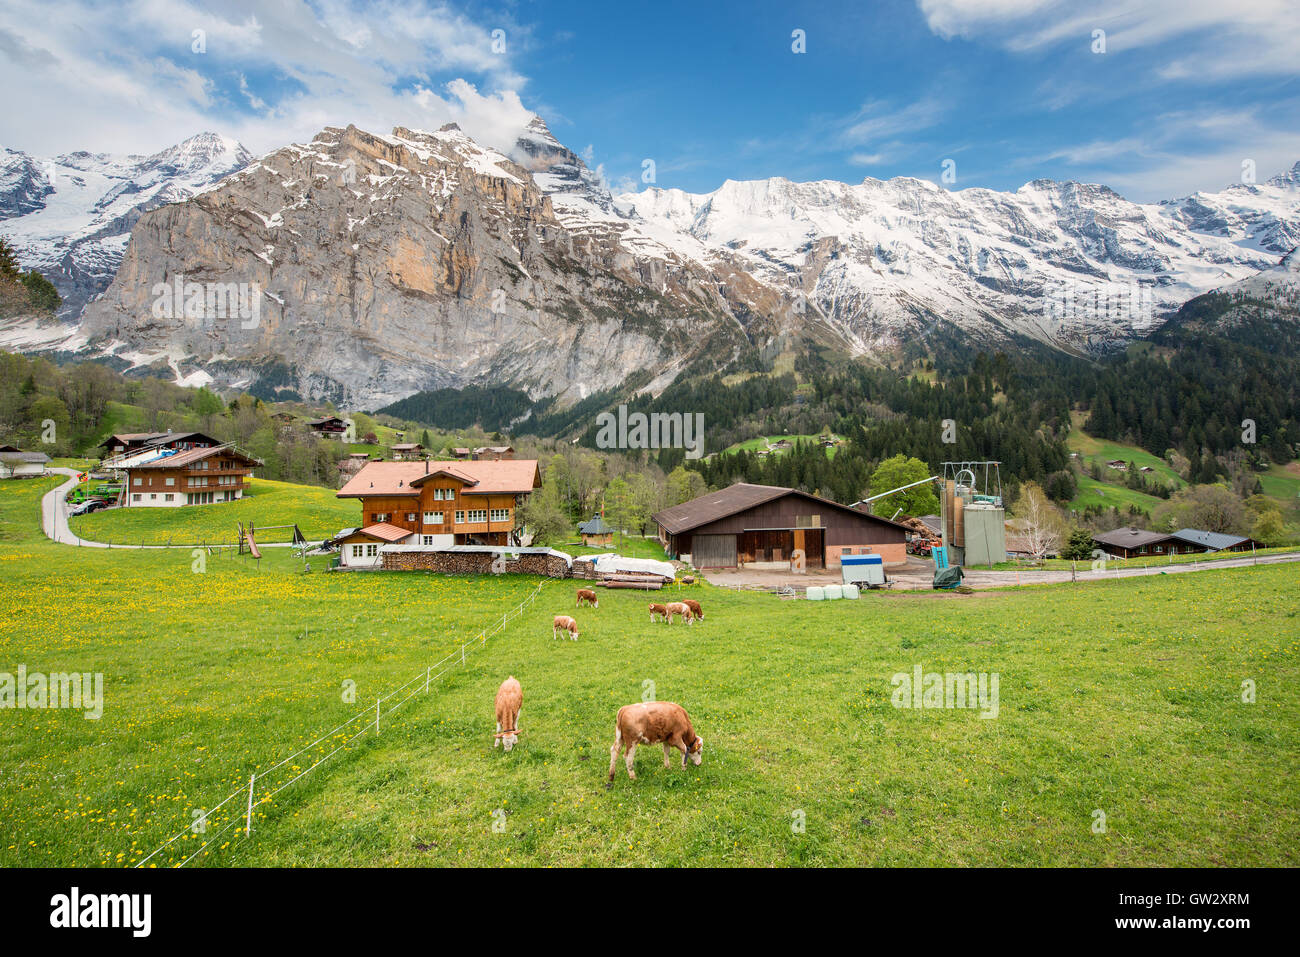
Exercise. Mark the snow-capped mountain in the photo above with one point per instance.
(1075, 265)
(391, 263)
(1260, 216)
(70, 216)
(371, 266)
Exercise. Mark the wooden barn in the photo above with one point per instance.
(762, 525)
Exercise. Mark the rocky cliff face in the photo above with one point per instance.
(374, 266)
(383, 265)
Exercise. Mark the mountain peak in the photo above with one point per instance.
(1288, 180)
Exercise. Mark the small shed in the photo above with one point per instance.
(596, 532)
(23, 464)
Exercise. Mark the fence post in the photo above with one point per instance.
(248, 818)
(377, 717)
(426, 678)
(462, 654)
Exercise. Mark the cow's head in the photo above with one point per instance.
(696, 751)
(508, 741)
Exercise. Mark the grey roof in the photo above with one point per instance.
(597, 526)
(1129, 537)
(932, 522)
(1213, 540)
(36, 458)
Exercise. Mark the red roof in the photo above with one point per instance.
(384, 532)
(513, 476)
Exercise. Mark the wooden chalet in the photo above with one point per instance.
(201, 475)
(329, 427)
(407, 451)
(1130, 542)
(762, 525)
(126, 443)
(445, 503)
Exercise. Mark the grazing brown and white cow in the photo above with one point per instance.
(510, 698)
(589, 596)
(565, 623)
(653, 722)
(677, 608)
(694, 606)
(658, 611)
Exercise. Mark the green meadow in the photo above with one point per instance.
(1122, 697)
(318, 512)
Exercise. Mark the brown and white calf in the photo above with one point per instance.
(658, 611)
(565, 623)
(653, 722)
(510, 698)
(589, 596)
(694, 606)
(677, 608)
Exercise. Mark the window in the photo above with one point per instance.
(168, 497)
(433, 518)
(426, 539)
(410, 516)
(478, 515)
(382, 516)
(152, 496)
(169, 482)
(372, 550)
(460, 517)
(135, 497)
(444, 494)
(137, 481)
(356, 551)
(500, 514)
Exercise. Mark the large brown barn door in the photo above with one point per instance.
(713, 551)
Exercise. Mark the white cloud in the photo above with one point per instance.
(1214, 39)
(124, 77)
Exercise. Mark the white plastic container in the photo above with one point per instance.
(833, 592)
(816, 593)
(850, 591)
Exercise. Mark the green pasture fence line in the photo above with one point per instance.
(454, 658)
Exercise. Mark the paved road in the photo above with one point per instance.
(919, 575)
(54, 519)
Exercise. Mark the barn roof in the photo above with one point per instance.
(1214, 540)
(713, 506)
(481, 478)
(1129, 537)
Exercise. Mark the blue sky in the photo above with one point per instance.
(1185, 92)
